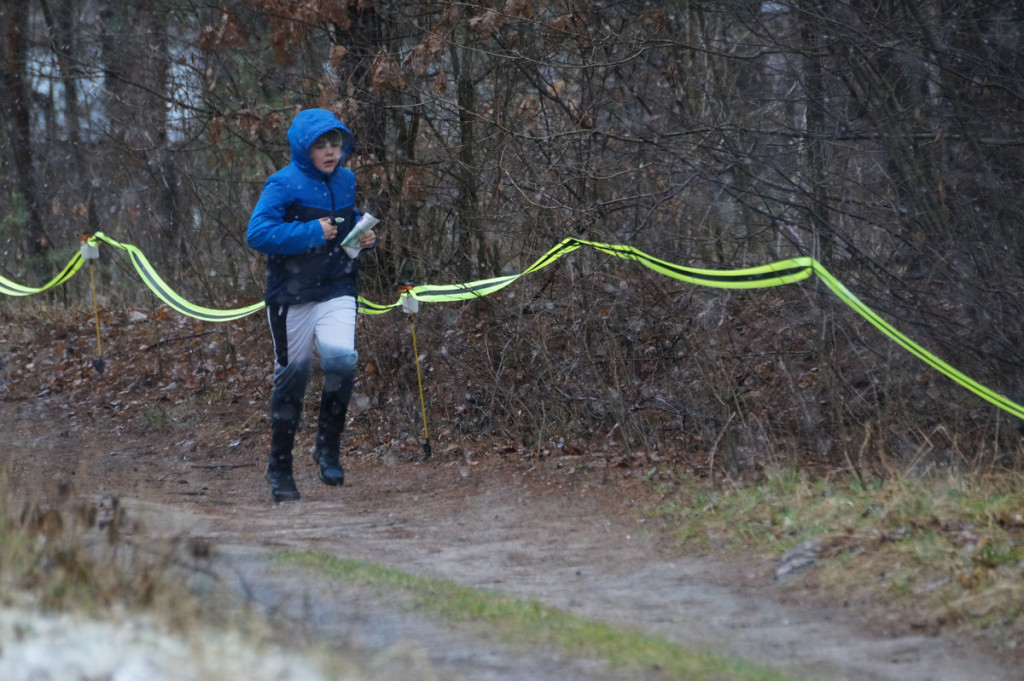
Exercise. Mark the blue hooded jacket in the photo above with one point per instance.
(302, 266)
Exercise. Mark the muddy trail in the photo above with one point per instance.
(567, 532)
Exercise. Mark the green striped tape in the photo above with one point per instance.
(778, 273)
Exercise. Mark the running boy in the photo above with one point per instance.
(304, 212)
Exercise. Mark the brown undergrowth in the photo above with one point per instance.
(591, 355)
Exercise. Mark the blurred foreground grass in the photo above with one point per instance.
(86, 593)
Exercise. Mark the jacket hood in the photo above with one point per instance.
(306, 127)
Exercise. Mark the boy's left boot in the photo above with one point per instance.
(331, 423)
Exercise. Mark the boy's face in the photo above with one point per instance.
(326, 153)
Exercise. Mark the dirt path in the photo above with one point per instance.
(545, 530)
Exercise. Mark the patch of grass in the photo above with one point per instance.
(155, 417)
(942, 551)
(528, 622)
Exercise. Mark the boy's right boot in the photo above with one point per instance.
(286, 399)
(279, 466)
(282, 483)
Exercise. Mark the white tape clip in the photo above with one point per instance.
(90, 251)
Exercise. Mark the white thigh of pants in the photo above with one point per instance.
(330, 325)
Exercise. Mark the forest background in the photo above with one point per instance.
(882, 138)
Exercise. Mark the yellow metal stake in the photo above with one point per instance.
(411, 306)
(91, 252)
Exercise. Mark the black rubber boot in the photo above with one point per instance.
(282, 485)
(333, 409)
(331, 472)
(283, 424)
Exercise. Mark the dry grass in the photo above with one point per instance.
(925, 553)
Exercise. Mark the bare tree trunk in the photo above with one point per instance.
(161, 161)
(817, 200)
(16, 109)
(468, 232)
(60, 19)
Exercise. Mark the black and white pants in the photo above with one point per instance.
(330, 328)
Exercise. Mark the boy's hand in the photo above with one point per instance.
(330, 229)
(368, 239)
